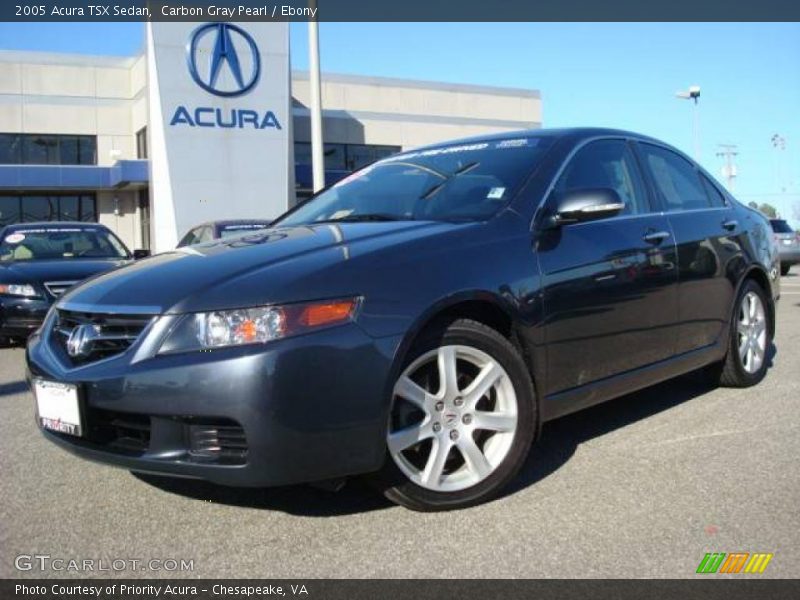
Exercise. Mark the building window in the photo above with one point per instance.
(334, 155)
(9, 210)
(34, 149)
(39, 207)
(141, 143)
(40, 150)
(344, 157)
(360, 155)
(10, 149)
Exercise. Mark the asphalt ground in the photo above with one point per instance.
(642, 486)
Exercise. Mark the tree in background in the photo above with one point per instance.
(753, 204)
(768, 210)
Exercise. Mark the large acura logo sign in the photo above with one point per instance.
(227, 42)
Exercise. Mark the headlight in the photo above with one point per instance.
(224, 328)
(18, 289)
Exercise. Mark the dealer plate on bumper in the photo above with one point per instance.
(57, 406)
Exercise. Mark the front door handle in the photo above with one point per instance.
(730, 224)
(655, 237)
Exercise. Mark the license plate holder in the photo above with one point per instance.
(58, 406)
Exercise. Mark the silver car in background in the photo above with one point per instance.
(788, 241)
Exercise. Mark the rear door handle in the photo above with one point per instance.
(730, 224)
(655, 237)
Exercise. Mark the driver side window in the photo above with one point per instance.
(606, 164)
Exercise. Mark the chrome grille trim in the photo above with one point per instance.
(113, 335)
(56, 288)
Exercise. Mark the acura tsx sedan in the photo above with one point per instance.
(40, 261)
(418, 321)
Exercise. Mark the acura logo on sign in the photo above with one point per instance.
(80, 340)
(228, 41)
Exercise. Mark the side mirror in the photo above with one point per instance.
(140, 253)
(586, 205)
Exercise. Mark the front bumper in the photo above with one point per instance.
(19, 317)
(310, 408)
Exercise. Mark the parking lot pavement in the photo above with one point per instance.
(639, 487)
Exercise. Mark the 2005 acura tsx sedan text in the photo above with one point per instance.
(417, 321)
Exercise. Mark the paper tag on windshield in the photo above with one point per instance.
(15, 238)
(496, 193)
(340, 214)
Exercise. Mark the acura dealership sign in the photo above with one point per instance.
(220, 121)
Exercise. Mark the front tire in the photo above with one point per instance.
(750, 338)
(785, 269)
(462, 421)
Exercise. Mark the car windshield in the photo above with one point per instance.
(227, 231)
(462, 182)
(55, 243)
(781, 226)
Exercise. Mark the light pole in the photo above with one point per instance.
(779, 143)
(315, 105)
(693, 93)
(728, 152)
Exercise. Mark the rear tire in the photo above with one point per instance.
(745, 364)
(785, 269)
(455, 444)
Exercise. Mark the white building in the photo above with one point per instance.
(74, 134)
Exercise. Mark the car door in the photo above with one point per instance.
(609, 285)
(705, 231)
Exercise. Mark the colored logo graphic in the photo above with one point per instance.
(224, 53)
(735, 562)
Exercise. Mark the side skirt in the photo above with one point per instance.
(575, 399)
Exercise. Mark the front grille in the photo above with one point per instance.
(56, 288)
(222, 442)
(107, 335)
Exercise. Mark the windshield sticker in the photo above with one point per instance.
(15, 238)
(57, 230)
(517, 143)
(340, 214)
(436, 152)
(496, 193)
(241, 227)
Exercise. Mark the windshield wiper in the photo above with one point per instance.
(467, 167)
(366, 217)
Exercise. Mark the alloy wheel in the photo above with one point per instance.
(751, 329)
(454, 418)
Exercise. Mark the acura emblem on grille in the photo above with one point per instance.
(80, 340)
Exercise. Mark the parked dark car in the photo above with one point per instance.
(216, 230)
(40, 261)
(417, 321)
(788, 241)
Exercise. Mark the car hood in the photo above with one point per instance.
(274, 265)
(40, 271)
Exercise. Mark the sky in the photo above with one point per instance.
(603, 74)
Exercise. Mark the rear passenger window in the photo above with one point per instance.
(606, 164)
(676, 179)
(714, 195)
